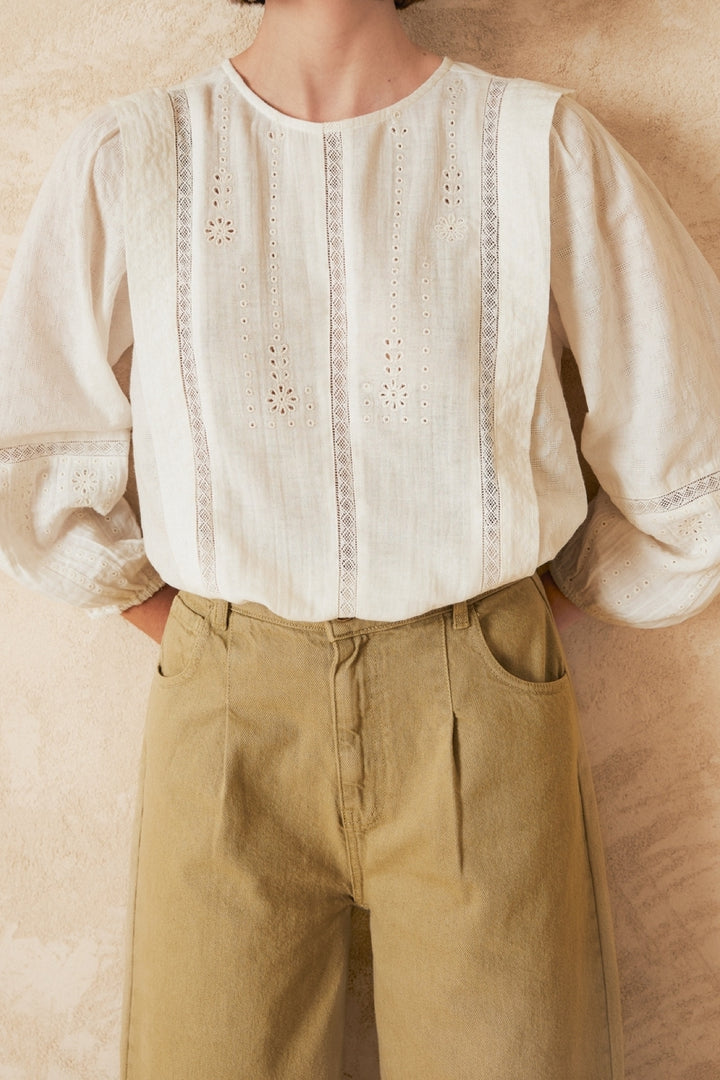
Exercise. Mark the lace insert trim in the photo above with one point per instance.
(204, 526)
(342, 450)
(673, 500)
(11, 455)
(490, 271)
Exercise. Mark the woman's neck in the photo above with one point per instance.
(326, 60)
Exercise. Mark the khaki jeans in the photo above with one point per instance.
(429, 770)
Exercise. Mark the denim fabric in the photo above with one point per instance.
(429, 770)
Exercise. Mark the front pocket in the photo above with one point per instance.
(182, 643)
(515, 634)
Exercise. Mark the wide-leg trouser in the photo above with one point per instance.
(429, 770)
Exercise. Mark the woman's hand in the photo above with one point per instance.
(564, 611)
(152, 614)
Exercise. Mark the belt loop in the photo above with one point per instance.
(461, 617)
(220, 615)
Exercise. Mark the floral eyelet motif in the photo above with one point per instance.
(393, 391)
(694, 530)
(273, 398)
(220, 228)
(281, 399)
(391, 397)
(85, 483)
(451, 226)
(393, 388)
(220, 231)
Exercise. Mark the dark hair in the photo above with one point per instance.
(398, 3)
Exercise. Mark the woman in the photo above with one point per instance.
(334, 255)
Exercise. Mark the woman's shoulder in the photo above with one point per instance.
(479, 79)
(574, 128)
(90, 155)
(207, 80)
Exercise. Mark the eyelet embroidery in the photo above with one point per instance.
(279, 401)
(394, 398)
(392, 391)
(276, 139)
(220, 229)
(54, 476)
(425, 368)
(690, 534)
(76, 471)
(393, 388)
(450, 226)
(85, 484)
(250, 408)
(398, 132)
(694, 529)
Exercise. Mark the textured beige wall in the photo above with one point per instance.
(73, 691)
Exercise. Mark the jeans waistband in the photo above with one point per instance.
(220, 612)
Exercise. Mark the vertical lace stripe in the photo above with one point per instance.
(342, 450)
(489, 324)
(205, 530)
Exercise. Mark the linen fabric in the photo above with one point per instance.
(345, 397)
(429, 770)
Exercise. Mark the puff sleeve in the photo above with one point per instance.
(640, 309)
(65, 527)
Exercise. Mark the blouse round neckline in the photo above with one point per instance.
(334, 125)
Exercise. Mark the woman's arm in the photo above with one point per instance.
(640, 309)
(152, 614)
(564, 611)
(65, 526)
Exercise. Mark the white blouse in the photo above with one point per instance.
(345, 395)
